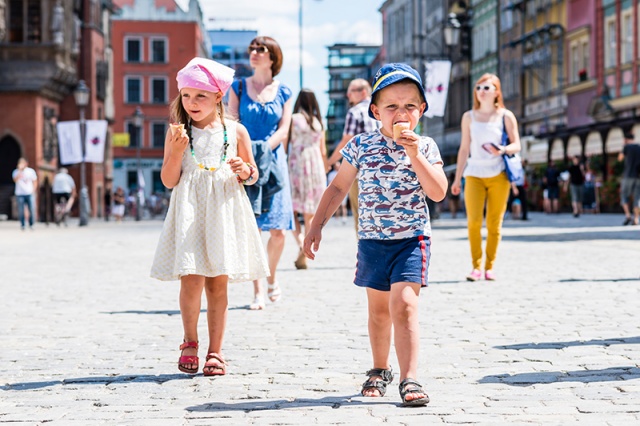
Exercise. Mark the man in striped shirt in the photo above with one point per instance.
(357, 121)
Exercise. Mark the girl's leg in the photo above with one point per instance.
(275, 246)
(190, 299)
(475, 195)
(297, 231)
(403, 305)
(379, 332)
(497, 194)
(216, 292)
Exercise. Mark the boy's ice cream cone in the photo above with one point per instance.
(398, 128)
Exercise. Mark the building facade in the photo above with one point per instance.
(46, 47)
(152, 41)
(346, 62)
(229, 47)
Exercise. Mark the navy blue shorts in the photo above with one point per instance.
(384, 262)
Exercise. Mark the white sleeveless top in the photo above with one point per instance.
(481, 163)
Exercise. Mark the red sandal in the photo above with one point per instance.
(191, 359)
(217, 366)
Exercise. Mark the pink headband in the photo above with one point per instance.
(205, 74)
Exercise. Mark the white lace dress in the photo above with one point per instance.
(210, 228)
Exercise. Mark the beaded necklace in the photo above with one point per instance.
(222, 158)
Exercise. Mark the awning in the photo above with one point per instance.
(557, 150)
(537, 150)
(574, 147)
(615, 141)
(593, 146)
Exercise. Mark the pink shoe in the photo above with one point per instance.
(475, 275)
(489, 275)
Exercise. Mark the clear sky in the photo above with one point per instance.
(325, 22)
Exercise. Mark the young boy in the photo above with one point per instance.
(395, 175)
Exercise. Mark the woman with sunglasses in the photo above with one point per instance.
(480, 162)
(264, 106)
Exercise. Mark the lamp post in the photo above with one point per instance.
(138, 121)
(81, 95)
(300, 35)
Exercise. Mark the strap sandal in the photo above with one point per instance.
(409, 386)
(386, 377)
(257, 304)
(215, 365)
(183, 361)
(274, 291)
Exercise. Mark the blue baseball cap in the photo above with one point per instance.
(392, 73)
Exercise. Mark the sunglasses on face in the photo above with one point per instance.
(486, 88)
(258, 49)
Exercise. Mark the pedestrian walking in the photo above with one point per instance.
(357, 121)
(119, 200)
(480, 162)
(209, 237)
(64, 193)
(396, 170)
(26, 181)
(551, 179)
(576, 185)
(263, 104)
(518, 196)
(630, 186)
(307, 156)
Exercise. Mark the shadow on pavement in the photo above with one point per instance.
(167, 312)
(562, 345)
(99, 380)
(334, 402)
(600, 234)
(598, 280)
(583, 376)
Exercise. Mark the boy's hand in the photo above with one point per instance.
(409, 140)
(313, 238)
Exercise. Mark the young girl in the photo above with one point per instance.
(209, 236)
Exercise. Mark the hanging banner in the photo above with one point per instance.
(69, 144)
(437, 75)
(95, 142)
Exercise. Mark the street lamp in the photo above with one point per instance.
(300, 35)
(81, 95)
(138, 121)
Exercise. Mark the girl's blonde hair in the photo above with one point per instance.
(177, 113)
(491, 79)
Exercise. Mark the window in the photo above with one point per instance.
(610, 42)
(158, 133)
(158, 50)
(579, 59)
(133, 49)
(159, 90)
(133, 87)
(25, 21)
(626, 38)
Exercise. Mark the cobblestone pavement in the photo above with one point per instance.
(89, 339)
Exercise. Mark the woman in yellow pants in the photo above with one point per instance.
(480, 162)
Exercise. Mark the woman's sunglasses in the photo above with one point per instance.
(258, 49)
(485, 88)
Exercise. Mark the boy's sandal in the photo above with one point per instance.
(379, 385)
(274, 292)
(408, 386)
(183, 361)
(215, 365)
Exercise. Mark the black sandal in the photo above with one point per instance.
(379, 385)
(408, 386)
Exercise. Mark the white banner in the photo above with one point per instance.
(95, 142)
(437, 74)
(69, 144)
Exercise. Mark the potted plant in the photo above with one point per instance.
(582, 74)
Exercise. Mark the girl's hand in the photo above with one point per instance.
(178, 142)
(239, 167)
(409, 140)
(455, 187)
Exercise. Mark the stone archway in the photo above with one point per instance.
(10, 152)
